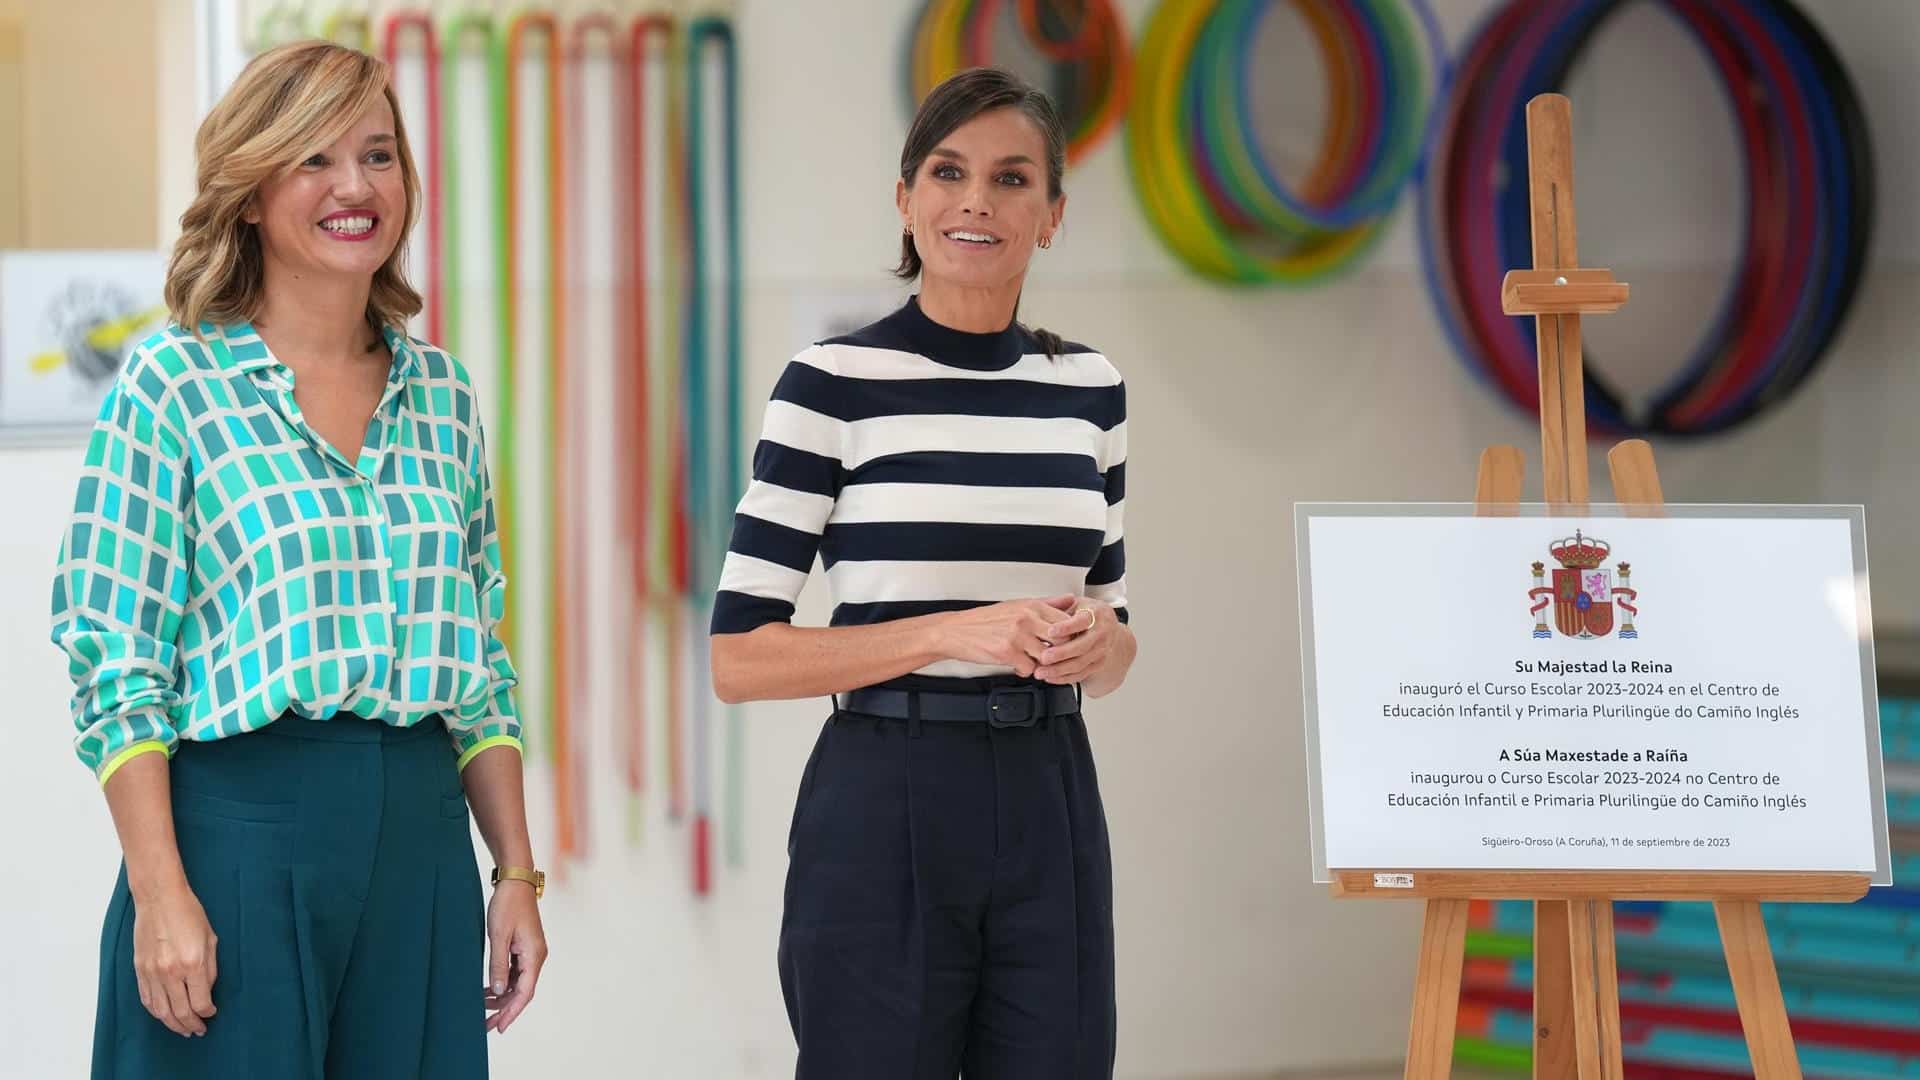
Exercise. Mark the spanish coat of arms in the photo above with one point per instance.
(1583, 593)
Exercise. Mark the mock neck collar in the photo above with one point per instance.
(991, 351)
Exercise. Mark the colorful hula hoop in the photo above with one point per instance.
(1807, 212)
(1205, 186)
(1083, 43)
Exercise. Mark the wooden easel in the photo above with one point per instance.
(1576, 998)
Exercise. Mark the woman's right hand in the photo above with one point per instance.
(1011, 632)
(174, 958)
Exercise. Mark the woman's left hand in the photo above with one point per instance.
(1081, 646)
(518, 947)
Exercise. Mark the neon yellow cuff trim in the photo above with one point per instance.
(488, 744)
(131, 752)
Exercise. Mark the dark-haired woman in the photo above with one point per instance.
(949, 895)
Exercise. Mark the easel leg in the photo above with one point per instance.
(1756, 986)
(1607, 991)
(1553, 1026)
(1436, 990)
(1596, 989)
(1586, 1040)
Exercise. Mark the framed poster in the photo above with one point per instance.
(1595, 691)
(68, 320)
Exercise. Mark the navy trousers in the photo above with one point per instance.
(949, 904)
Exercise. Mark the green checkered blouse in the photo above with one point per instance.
(224, 564)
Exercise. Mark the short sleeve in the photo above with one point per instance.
(1107, 579)
(779, 521)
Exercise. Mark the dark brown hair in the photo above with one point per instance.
(957, 100)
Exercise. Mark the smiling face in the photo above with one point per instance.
(978, 205)
(342, 210)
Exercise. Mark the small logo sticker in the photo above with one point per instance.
(1393, 881)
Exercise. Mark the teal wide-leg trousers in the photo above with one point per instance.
(336, 866)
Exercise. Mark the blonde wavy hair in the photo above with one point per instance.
(288, 104)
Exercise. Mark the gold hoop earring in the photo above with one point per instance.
(1046, 241)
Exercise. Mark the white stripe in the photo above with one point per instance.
(883, 581)
(964, 669)
(1116, 446)
(865, 362)
(1066, 507)
(802, 429)
(882, 436)
(758, 577)
(1114, 593)
(1114, 514)
(800, 510)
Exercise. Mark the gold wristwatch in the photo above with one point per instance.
(536, 878)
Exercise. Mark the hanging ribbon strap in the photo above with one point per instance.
(419, 23)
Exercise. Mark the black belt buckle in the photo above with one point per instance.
(1002, 713)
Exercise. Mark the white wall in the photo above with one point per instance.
(86, 138)
(1242, 402)
(12, 122)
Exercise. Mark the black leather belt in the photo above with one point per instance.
(1002, 706)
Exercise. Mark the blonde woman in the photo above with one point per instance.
(277, 594)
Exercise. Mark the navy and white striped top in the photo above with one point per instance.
(932, 469)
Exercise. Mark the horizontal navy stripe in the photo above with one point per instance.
(959, 542)
(737, 613)
(800, 470)
(774, 542)
(887, 611)
(981, 470)
(872, 614)
(850, 399)
(1111, 566)
(1116, 482)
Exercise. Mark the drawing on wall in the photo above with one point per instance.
(68, 320)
